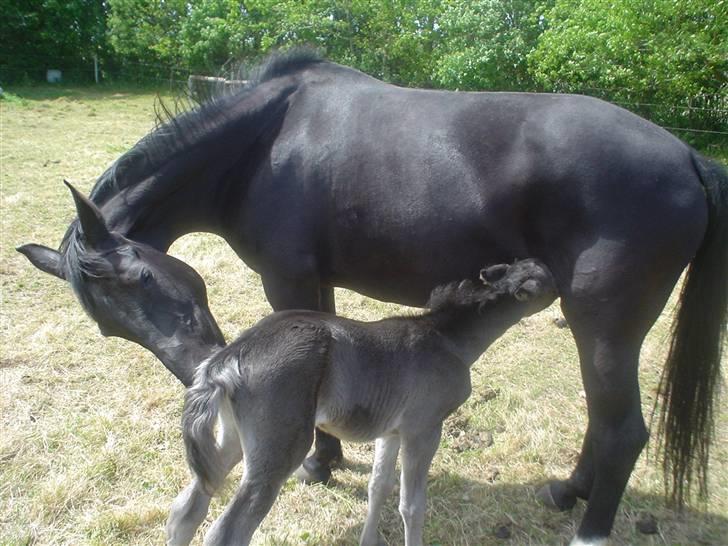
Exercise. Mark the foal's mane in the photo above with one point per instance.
(460, 294)
(176, 131)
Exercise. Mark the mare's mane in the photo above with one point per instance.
(176, 131)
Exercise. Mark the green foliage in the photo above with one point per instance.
(12, 98)
(665, 50)
(146, 30)
(672, 52)
(392, 40)
(36, 33)
(485, 43)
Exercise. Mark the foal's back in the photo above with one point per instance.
(364, 379)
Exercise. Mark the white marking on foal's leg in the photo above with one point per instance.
(190, 507)
(187, 513)
(417, 454)
(578, 541)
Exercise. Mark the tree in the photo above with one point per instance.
(144, 30)
(664, 50)
(41, 34)
(393, 40)
(485, 43)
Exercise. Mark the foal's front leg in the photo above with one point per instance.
(381, 484)
(191, 505)
(417, 454)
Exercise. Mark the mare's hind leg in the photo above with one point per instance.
(381, 484)
(609, 324)
(563, 494)
(616, 433)
(191, 505)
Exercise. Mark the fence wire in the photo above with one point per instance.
(705, 116)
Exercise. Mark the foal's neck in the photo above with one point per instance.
(470, 331)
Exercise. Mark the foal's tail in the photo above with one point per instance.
(215, 380)
(690, 382)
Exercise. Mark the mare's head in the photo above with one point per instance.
(134, 291)
(526, 283)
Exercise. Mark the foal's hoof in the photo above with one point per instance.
(556, 495)
(313, 471)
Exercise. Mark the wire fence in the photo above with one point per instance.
(703, 117)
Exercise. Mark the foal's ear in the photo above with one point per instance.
(92, 221)
(493, 273)
(44, 258)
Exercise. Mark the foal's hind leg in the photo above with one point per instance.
(276, 424)
(381, 484)
(267, 466)
(191, 505)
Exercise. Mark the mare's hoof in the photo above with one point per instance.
(556, 495)
(313, 471)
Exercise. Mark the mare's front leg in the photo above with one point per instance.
(381, 484)
(190, 507)
(304, 291)
(417, 453)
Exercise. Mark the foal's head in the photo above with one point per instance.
(134, 291)
(526, 283)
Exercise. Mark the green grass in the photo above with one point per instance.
(90, 449)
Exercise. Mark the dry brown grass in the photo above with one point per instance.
(90, 450)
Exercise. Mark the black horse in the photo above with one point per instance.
(320, 176)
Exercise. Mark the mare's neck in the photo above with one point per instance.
(469, 332)
(199, 185)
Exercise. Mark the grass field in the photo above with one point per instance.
(90, 447)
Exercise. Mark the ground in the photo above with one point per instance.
(90, 446)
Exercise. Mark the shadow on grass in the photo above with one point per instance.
(466, 511)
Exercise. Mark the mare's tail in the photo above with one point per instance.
(690, 383)
(215, 381)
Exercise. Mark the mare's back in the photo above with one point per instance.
(445, 182)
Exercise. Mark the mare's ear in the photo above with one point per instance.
(493, 273)
(92, 221)
(44, 258)
(529, 290)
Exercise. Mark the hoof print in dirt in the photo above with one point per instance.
(647, 524)
(472, 440)
(503, 530)
(560, 322)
